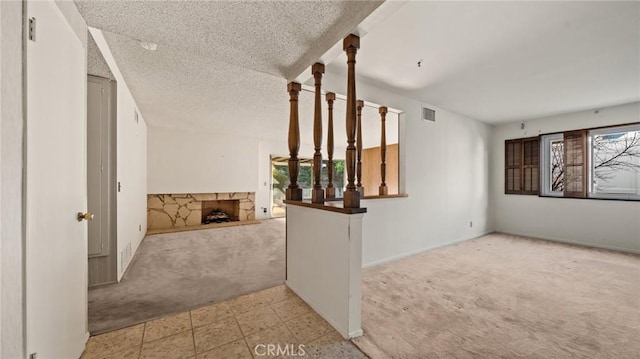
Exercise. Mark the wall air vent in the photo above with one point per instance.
(428, 114)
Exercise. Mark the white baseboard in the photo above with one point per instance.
(419, 251)
(569, 241)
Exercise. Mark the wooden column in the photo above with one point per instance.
(331, 191)
(350, 45)
(383, 190)
(294, 192)
(317, 193)
(359, 107)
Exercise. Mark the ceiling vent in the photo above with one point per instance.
(428, 114)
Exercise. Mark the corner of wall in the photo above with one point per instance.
(597, 223)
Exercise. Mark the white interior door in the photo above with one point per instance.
(56, 187)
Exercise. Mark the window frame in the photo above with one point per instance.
(589, 158)
(579, 138)
(545, 165)
(522, 166)
(508, 167)
(591, 168)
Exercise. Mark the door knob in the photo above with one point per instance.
(84, 216)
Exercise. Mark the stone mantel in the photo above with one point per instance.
(175, 210)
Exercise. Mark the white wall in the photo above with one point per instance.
(131, 165)
(324, 264)
(599, 223)
(132, 175)
(11, 209)
(445, 172)
(189, 161)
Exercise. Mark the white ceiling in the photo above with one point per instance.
(179, 89)
(223, 66)
(175, 89)
(280, 38)
(506, 61)
(96, 65)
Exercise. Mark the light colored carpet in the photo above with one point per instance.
(177, 272)
(504, 296)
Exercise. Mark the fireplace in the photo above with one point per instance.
(220, 211)
(189, 210)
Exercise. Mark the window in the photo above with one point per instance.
(522, 166)
(595, 163)
(552, 170)
(615, 162)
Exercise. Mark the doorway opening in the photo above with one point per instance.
(280, 180)
(101, 180)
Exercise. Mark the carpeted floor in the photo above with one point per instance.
(503, 296)
(176, 272)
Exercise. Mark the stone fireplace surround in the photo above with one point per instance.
(168, 211)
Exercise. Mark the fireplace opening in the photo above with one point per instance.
(220, 211)
(217, 216)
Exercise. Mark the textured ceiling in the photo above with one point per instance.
(221, 63)
(223, 66)
(96, 65)
(175, 89)
(506, 61)
(280, 38)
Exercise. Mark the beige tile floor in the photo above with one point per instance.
(237, 328)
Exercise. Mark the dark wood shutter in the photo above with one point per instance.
(513, 166)
(531, 166)
(575, 164)
(522, 166)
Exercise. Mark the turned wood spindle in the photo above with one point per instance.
(351, 198)
(383, 190)
(331, 191)
(317, 193)
(294, 192)
(359, 107)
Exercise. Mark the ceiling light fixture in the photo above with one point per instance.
(148, 45)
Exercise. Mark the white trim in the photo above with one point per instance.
(614, 129)
(421, 250)
(545, 162)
